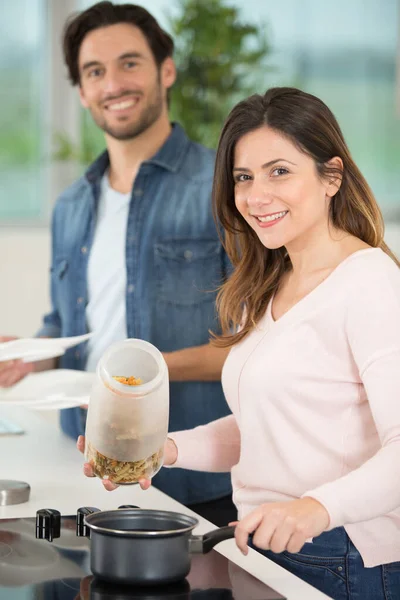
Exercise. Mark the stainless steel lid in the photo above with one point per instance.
(13, 492)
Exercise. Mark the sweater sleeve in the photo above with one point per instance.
(214, 447)
(373, 333)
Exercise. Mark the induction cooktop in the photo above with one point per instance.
(34, 569)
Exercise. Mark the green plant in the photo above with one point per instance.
(220, 60)
(92, 143)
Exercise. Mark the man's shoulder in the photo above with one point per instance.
(73, 192)
(198, 162)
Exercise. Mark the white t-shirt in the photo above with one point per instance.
(105, 311)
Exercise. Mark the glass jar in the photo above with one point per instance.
(127, 420)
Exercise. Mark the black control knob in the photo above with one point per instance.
(82, 530)
(48, 524)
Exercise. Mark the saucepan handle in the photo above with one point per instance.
(201, 544)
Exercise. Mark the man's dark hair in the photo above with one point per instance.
(104, 14)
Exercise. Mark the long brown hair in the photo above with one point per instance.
(313, 129)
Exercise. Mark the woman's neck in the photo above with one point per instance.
(322, 250)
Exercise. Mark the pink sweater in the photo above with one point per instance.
(315, 398)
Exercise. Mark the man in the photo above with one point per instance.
(135, 251)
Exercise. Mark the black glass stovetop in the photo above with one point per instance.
(32, 569)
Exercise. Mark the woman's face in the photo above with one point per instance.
(278, 190)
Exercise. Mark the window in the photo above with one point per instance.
(345, 53)
(22, 70)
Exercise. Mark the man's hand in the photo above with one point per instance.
(12, 371)
(170, 457)
(280, 526)
(198, 363)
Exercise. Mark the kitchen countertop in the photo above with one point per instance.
(48, 460)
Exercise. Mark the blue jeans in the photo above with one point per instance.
(333, 565)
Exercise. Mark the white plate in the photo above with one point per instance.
(50, 390)
(33, 349)
(49, 403)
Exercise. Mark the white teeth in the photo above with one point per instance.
(122, 105)
(272, 217)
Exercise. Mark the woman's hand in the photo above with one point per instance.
(170, 457)
(280, 526)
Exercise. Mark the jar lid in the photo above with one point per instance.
(13, 492)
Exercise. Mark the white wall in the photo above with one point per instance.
(24, 292)
(24, 297)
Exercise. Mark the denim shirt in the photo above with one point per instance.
(174, 262)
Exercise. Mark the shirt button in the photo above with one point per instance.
(131, 239)
(79, 300)
(131, 288)
(77, 354)
(188, 254)
(84, 249)
(138, 192)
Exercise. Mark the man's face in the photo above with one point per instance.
(120, 82)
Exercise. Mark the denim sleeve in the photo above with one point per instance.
(51, 321)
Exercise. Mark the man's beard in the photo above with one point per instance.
(149, 115)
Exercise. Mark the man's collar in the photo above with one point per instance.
(97, 169)
(169, 156)
(172, 152)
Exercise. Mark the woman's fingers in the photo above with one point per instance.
(268, 528)
(87, 467)
(279, 539)
(296, 542)
(109, 485)
(145, 483)
(245, 527)
(284, 525)
(88, 470)
(80, 443)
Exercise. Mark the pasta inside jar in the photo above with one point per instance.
(123, 472)
(128, 380)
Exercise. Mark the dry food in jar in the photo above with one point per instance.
(128, 380)
(123, 472)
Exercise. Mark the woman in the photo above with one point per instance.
(312, 316)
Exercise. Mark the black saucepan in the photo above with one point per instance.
(137, 546)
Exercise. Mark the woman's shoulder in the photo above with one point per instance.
(372, 261)
(372, 306)
(373, 272)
